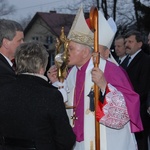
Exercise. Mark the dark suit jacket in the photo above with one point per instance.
(35, 110)
(139, 74)
(7, 74)
(125, 62)
(148, 99)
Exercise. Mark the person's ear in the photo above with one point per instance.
(85, 52)
(5, 43)
(140, 44)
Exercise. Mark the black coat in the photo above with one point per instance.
(30, 108)
(7, 74)
(139, 74)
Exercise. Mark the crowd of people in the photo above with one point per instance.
(33, 112)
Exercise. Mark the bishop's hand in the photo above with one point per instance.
(98, 78)
(52, 74)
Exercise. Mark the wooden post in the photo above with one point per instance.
(94, 25)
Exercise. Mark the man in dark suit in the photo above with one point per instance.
(33, 114)
(138, 70)
(120, 51)
(11, 36)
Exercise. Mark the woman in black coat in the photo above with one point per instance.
(32, 112)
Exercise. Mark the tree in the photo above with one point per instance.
(5, 8)
(104, 6)
(25, 21)
(131, 13)
(143, 16)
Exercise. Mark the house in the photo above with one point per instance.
(46, 27)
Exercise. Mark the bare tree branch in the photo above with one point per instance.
(5, 8)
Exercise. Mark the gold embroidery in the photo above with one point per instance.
(82, 38)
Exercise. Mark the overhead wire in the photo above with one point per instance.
(38, 5)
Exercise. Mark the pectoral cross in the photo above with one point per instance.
(74, 117)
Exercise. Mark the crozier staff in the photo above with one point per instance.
(94, 26)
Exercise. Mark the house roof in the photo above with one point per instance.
(54, 20)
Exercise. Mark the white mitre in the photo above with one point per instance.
(80, 32)
(107, 30)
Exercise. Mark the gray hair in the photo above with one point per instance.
(8, 29)
(30, 57)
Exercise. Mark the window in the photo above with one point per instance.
(49, 39)
(35, 38)
(52, 58)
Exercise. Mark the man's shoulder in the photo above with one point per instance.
(3, 61)
(2, 58)
(143, 54)
(142, 57)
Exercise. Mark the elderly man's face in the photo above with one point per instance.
(76, 51)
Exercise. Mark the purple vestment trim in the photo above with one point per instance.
(79, 100)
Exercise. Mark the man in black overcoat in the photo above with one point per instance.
(32, 111)
(138, 70)
(11, 36)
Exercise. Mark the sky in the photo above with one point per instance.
(25, 8)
